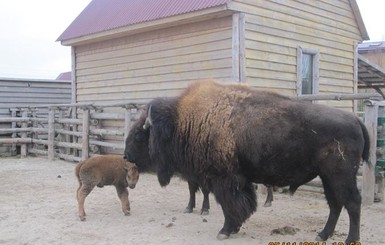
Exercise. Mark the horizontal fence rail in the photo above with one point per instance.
(70, 131)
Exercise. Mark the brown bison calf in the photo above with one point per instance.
(105, 170)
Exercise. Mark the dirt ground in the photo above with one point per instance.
(38, 206)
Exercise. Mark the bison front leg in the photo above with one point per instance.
(238, 201)
(193, 188)
(123, 196)
(206, 201)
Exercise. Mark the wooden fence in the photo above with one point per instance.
(71, 132)
(74, 132)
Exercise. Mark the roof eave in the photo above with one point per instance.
(360, 21)
(195, 16)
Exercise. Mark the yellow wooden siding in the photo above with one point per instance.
(275, 29)
(159, 63)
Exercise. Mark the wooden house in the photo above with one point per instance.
(135, 50)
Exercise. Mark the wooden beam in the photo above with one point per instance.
(51, 134)
(367, 193)
(23, 148)
(86, 131)
(338, 96)
(235, 48)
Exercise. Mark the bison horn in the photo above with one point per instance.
(148, 121)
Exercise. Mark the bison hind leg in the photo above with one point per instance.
(338, 194)
(293, 189)
(82, 193)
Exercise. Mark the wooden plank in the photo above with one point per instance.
(236, 48)
(104, 115)
(33, 83)
(106, 132)
(161, 36)
(272, 66)
(74, 65)
(266, 37)
(242, 48)
(296, 15)
(340, 77)
(127, 122)
(270, 74)
(107, 144)
(151, 51)
(23, 148)
(217, 61)
(262, 44)
(51, 134)
(86, 131)
(367, 193)
(337, 96)
(267, 83)
(302, 31)
(109, 85)
(16, 141)
(300, 39)
(267, 56)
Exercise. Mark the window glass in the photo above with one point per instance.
(307, 74)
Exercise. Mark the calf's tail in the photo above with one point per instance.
(77, 171)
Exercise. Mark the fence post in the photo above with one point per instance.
(14, 135)
(51, 133)
(34, 125)
(23, 148)
(368, 174)
(86, 131)
(127, 122)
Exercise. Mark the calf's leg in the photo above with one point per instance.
(123, 196)
(82, 193)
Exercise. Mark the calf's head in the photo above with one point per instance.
(132, 175)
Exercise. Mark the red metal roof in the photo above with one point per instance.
(65, 76)
(103, 15)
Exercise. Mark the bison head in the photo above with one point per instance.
(136, 149)
(149, 142)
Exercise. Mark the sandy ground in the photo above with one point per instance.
(38, 206)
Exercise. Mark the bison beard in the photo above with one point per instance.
(225, 137)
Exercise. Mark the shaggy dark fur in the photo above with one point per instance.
(225, 137)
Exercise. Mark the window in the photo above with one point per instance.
(307, 71)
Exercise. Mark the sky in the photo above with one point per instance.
(29, 29)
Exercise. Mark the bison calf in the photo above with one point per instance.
(105, 170)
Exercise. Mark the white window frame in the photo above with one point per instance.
(315, 54)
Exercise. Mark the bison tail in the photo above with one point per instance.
(365, 153)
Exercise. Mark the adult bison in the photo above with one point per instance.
(225, 137)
